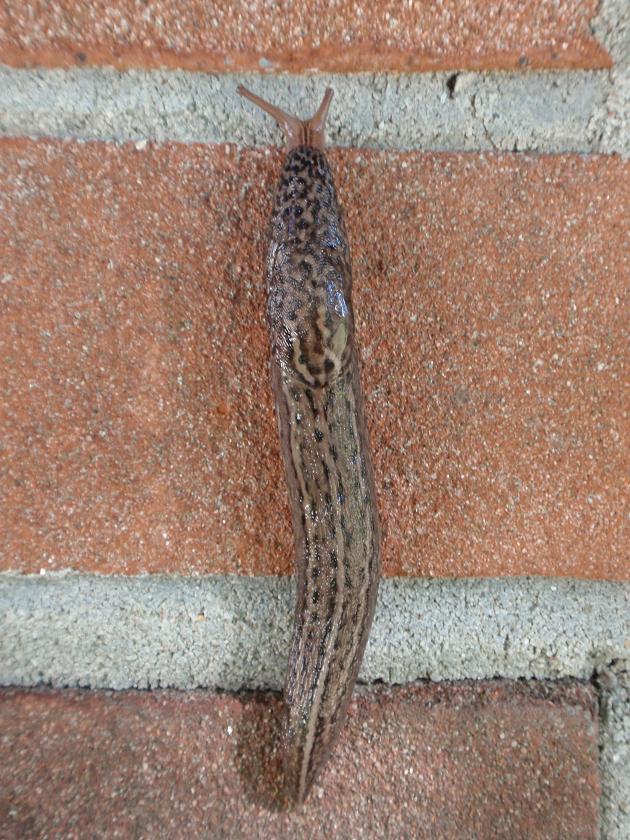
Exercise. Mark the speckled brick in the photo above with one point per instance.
(491, 760)
(305, 35)
(137, 425)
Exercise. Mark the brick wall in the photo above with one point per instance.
(304, 37)
(480, 153)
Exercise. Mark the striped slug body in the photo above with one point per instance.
(319, 406)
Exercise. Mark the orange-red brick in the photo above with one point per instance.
(301, 36)
(507, 761)
(136, 423)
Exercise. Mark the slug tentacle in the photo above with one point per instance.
(298, 132)
(319, 407)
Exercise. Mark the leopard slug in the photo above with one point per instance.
(319, 407)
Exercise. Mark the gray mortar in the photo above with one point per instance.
(612, 27)
(545, 112)
(614, 687)
(232, 632)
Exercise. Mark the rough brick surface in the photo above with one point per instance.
(137, 423)
(495, 760)
(304, 35)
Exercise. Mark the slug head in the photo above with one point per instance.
(308, 273)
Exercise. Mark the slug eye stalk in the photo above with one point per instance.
(297, 132)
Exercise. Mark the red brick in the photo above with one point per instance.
(137, 423)
(305, 35)
(495, 760)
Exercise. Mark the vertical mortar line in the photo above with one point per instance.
(612, 684)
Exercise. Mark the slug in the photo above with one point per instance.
(319, 408)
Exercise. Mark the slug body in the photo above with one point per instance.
(319, 406)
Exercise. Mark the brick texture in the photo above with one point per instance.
(137, 425)
(486, 760)
(305, 35)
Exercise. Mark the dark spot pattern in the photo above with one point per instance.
(309, 245)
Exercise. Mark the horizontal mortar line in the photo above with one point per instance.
(546, 111)
(232, 632)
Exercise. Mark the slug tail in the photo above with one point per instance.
(296, 783)
(298, 132)
(305, 751)
(318, 688)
